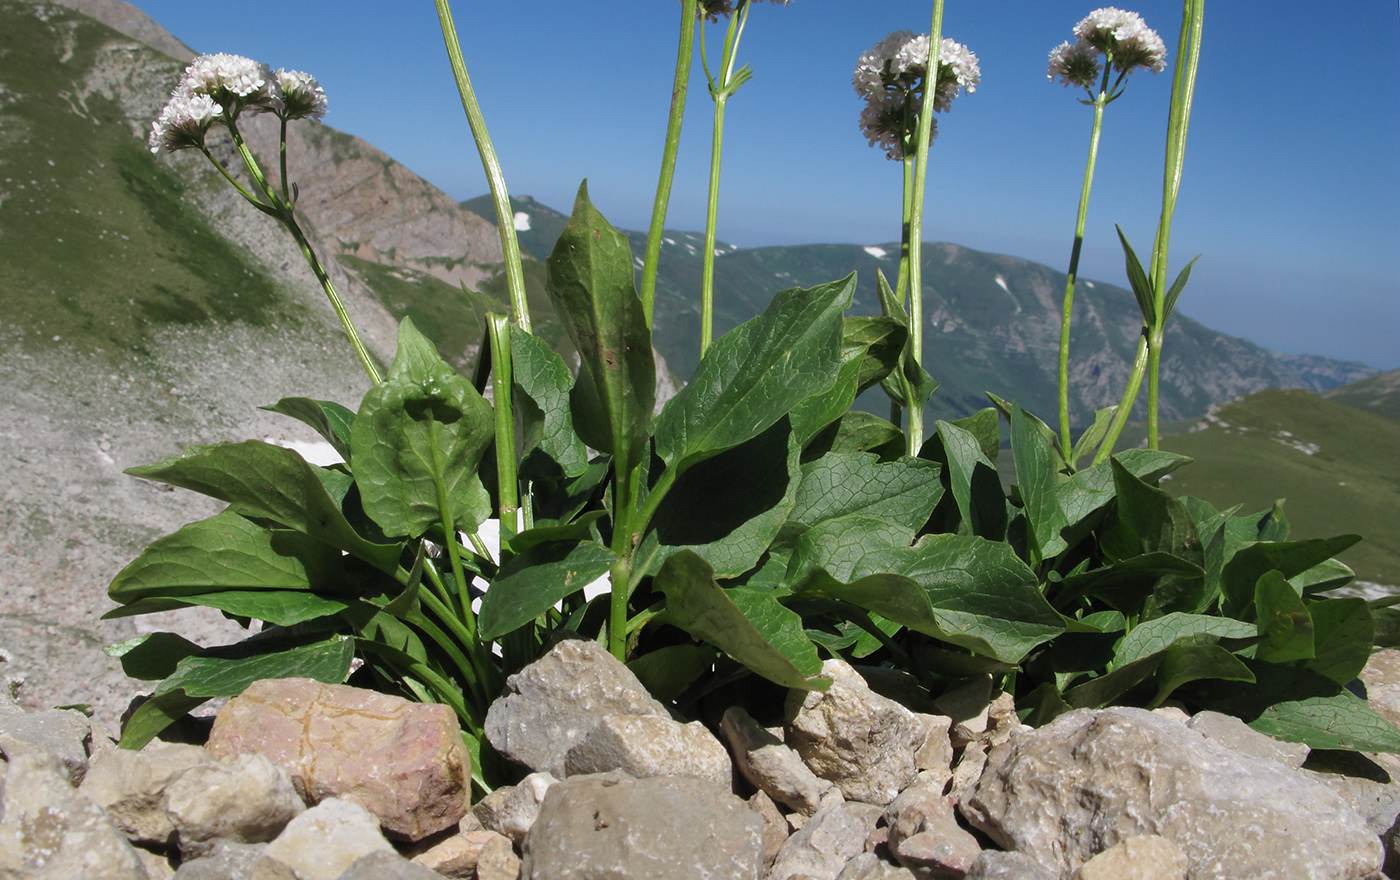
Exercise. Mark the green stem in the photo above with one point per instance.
(901, 291)
(502, 385)
(449, 529)
(916, 221)
(282, 158)
(1101, 101)
(1125, 406)
(351, 333)
(684, 54)
(505, 217)
(252, 199)
(624, 529)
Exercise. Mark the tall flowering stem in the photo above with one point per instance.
(679, 88)
(500, 196)
(1147, 360)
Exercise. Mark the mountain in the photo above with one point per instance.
(1379, 394)
(1335, 464)
(992, 322)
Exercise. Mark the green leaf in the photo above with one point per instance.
(418, 440)
(153, 656)
(667, 672)
(857, 431)
(1149, 520)
(753, 375)
(811, 416)
(228, 552)
(1037, 474)
(156, 714)
(331, 420)
(837, 546)
(974, 483)
(1285, 627)
(591, 281)
(1110, 686)
(1159, 634)
(532, 582)
(270, 482)
(1126, 585)
(984, 597)
(1343, 632)
(1326, 575)
(728, 508)
(279, 607)
(1289, 558)
(1093, 435)
(1169, 302)
(542, 377)
(879, 342)
(1338, 721)
(749, 626)
(1182, 663)
(1142, 286)
(841, 484)
(921, 385)
(982, 425)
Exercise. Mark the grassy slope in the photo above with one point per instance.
(96, 244)
(1379, 394)
(1350, 484)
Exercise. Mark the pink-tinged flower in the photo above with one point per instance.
(233, 82)
(883, 123)
(1124, 36)
(1076, 64)
(302, 96)
(183, 123)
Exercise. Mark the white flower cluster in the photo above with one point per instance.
(1121, 35)
(218, 87)
(890, 76)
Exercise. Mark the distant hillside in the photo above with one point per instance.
(1337, 466)
(991, 322)
(1379, 394)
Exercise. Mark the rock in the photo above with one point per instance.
(62, 733)
(925, 837)
(157, 865)
(769, 765)
(648, 745)
(1120, 773)
(243, 799)
(511, 810)
(968, 770)
(1002, 722)
(775, 828)
(235, 861)
(1382, 679)
(1138, 858)
(613, 825)
(131, 786)
(969, 706)
(996, 865)
(826, 842)
(857, 739)
(936, 754)
(1234, 734)
(1369, 786)
(328, 838)
(868, 866)
(49, 831)
(386, 865)
(402, 761)
(554, 702)
(458, 855)
(497, 861)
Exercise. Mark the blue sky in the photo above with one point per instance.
(1291, 190)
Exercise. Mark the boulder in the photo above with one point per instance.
(616, 826)
(49, 831)
(864, 743)
(769, 765)
(386, 865)
(402, 761)
(648, 745)
(1382, 679)
(826, 842)
(1234, 734)
(553, 703)
(323, 842)
(130, 786)
(242, 799)
(1108, 775)
(62, 733)
(775, 827)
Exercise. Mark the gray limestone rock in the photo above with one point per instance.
(925, 836)
(868, 866)
(554, 702)
(775, 828)
(459, 855)
(769, 765)
(613, 825)
(243, 799)
(648, 745)
(130, 786)
(826, 842)
(62, 733)
(1234, 734)
(1148, 857)
(235, 861)
(1120, 773)
(328, 838)
(968, 705)
(386, 865)
(997, 865)
(511, 810)
(49, 831)
(865, 743)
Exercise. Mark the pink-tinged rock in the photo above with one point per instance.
(925, 837)
(460, 854)
(403, 762)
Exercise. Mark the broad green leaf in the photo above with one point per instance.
(279, 607)
(982, 425)
(857, 431)
(1210, 528)
(1042, 705)
(1142, 286)
(156, 714)
(543, 378)
(1343, 632)
(591, 281)
(748, 625)
(1326, 575)
(811, 416)
(417, 442)
(270, 482)
(753, 375)
(841, 484)
(1110, 686)
(331, 420)
(983, 596)
(228, 552)
(1338, 721)
(1126, 585)
(1183, 663)
(1148, 520)
(879, 342)
(153, 656)
(1093, 435)
(1285, 627)
(1037, 474)
(1387, 622)
(667, 672)
(1006, 408)
(532, 582)
(1159, 634)
(974, 483)
(894, 597)
(1273, 524)
(910, 373)
(837, 546)
(1289, 558)
(728, 508)
(581, 529)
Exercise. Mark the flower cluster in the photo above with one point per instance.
(217, 88)
(891, 77)
(1121, 36)
(714, 10)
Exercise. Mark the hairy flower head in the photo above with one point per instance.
(1126, 36)
(899, 62)
(1076, 64)
(233, 82)
(302, 96)
(183, 123)
(884, 123)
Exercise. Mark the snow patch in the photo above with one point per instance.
(878, 253)
(1001, 282)
(1089, 284)
(521, 221)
